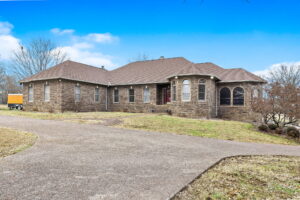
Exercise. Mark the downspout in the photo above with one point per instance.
(106, 102)
(216, 99)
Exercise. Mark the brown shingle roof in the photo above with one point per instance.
(72, 71)
(142, 72)
(151, 71)
(238, 75)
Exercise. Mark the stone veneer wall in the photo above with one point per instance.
(87, 97)
(39, 104)
(195, 108)
(239, 112)
(138, 106)
(62, 98)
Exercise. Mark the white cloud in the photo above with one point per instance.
(265, 72)
(5, 28)
(101, 37)
(85, 48)
(58, 31)
(8, 42)
(87, 56)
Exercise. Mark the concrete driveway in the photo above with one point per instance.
(74, 161)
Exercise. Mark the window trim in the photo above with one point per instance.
(97, 88)
(174, 94)
(31, 86)
(146, 88)
(230, 96)
(243, 96)
(115, 89)
(77, 86)
(132, 95)
(47, 85)
(188, 100)
(202, 83)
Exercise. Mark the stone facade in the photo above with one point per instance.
(62, 98)
(238, 112)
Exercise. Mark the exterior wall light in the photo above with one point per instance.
(212, 77)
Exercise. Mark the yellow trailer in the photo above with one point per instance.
(15, 101)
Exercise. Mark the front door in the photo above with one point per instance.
(166, 95)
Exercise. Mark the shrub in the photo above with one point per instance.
(272, 126)
(263, 127)
(293, 132)
(279, 130)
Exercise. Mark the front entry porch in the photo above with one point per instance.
(163, 94)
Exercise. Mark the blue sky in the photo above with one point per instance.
(231, 33)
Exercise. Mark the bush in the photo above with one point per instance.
(263, 127)
(272, 126)
(293, 132)
(279, 130)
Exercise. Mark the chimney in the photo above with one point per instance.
(161, 57)
(102, 67)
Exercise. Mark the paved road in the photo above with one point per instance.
(74, 161)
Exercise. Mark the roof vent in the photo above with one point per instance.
(162, 57)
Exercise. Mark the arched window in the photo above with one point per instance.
(186, 90)
(201, 90)
(225, 96)
(238, 96)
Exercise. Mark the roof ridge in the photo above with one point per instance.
(71, 61)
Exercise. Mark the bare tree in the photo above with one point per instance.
(38, 55)
(286, 75)
(280, 105)
(139, 57)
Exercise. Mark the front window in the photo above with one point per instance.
(238, 96)
(146, 95)
(201, 90)
(77, 93)
(116, 96)
(186, 90)
(30, 93)
(225, 96)
(131, 95)
(97, 94)
(173, 91)
(47, 92)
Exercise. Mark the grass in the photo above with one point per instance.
(220, 129)
(250, 177)
(13, 141)
(81, 117)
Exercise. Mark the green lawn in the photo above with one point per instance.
(220, 129)
(251, 177)
(13, 141)
(81, 117)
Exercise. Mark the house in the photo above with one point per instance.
(173, 85)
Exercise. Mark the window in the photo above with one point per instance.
(255, 93)
(186, 90)
(97, 94)
(77, 93)
(238, 96)
(173, 91)
(30, 93)
(201, 90)
(47, 92)
(146, 95)
(225, 96)
(116, 96)
(131, 95)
